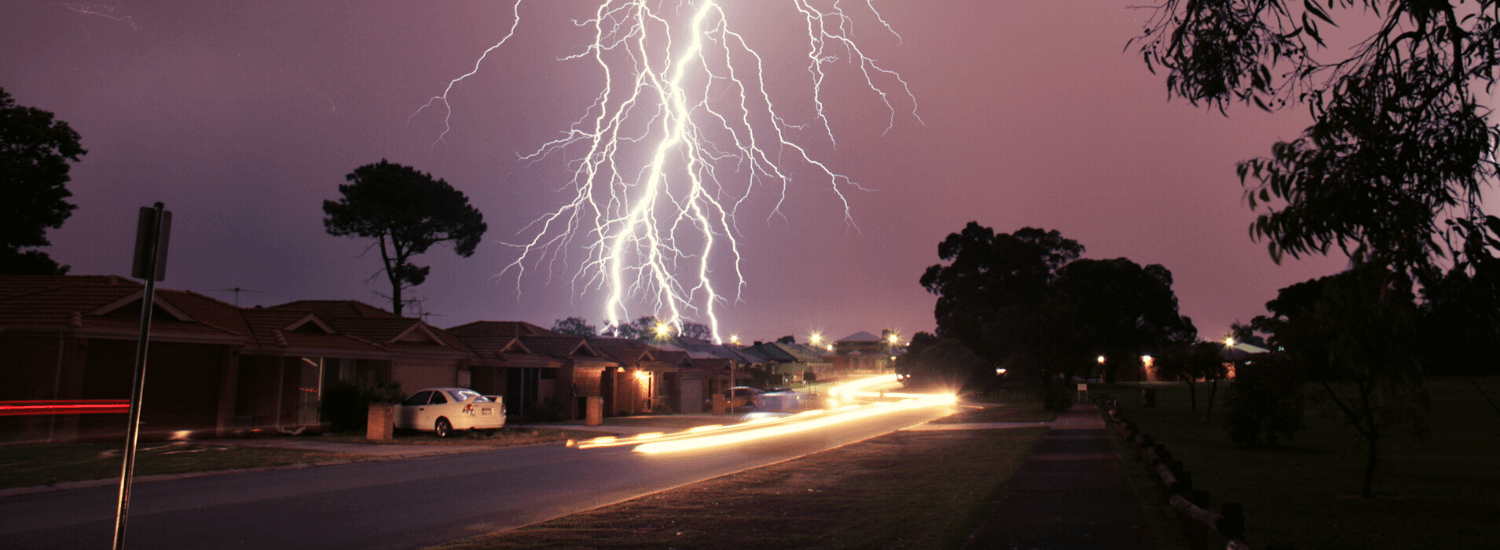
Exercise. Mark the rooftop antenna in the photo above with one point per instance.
(237, 291)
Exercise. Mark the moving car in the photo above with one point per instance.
(443, 410)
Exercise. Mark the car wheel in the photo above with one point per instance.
(444, 429)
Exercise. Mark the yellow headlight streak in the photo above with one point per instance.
(816, 421)
(854, 387)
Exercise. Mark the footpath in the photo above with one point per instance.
(1071, 494)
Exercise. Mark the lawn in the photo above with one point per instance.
(1437, 493)
(901, 490)
(31, 464)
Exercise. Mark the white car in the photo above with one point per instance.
(444, 410)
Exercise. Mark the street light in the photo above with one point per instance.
(663, 330)
(815, 338)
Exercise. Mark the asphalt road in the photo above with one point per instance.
(400, 503)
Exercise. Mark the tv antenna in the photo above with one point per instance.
(237, 291)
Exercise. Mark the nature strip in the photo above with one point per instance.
(1177, 487)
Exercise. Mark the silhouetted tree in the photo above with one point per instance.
(1025, 301)
(943, 366)
(1244, 332)
(1359, 334)
(1191, 363)
(407, 212)
(575, 326)
(1399, 140)
(34, 153)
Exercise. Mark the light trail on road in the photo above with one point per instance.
(762, 428)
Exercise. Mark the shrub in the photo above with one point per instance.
(345, 406)
(1264, 402)
(1058, 399)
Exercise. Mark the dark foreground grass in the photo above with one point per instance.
(32, 464)
(902, 490)
(1438, 493)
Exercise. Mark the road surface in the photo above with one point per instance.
(400, 503)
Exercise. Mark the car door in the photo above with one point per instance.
(406, 414)
(428, 414)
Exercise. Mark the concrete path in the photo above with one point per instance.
(1071, 494)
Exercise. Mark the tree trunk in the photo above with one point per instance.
(1373, 439)
(1213, 388)
(1192, 387)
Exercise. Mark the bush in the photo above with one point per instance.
(346, 406)
(1264, 402)
(549, 410)
(1058, 399)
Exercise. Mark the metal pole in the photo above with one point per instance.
(132, 428)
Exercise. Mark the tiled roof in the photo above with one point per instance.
(501, 329)
(560, 346)
(859, 337)
(331, 310)
(622, 350)
(80, 302)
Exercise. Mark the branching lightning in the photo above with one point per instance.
(681, 132)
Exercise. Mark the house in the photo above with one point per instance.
(532, 366)
(791, 361)
(422, 356)
(211, 367)
(637, 383)
(864, 353)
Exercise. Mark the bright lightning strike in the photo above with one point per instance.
(680, 133)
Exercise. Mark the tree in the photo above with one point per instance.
(575, 326)
(34, 153)
(1025, 301)
(1191, 363)
(943, 366)
(988, 274)
(1399, 144)
(1360, 335)
(1245, 333)
(1121, 307)
(407, 212)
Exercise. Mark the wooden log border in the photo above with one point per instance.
(1176, 482)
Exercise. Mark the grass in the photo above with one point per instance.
(1437, 493)
(32, 464)
(902, 490)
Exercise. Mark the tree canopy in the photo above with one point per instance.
(35, 151)
(1026, 301)
(407, 212)
(574, 326)
(1392, 168)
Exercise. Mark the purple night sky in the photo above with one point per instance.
(243, 117)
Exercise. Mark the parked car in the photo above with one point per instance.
(743, 397)
(443, 410)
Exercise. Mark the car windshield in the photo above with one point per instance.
(464, 395)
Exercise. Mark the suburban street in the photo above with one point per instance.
(401, 503)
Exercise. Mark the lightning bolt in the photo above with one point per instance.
(681, 132)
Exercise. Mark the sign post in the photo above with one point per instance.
(151, 235)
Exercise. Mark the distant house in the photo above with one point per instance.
(790, 361)
(862, 352)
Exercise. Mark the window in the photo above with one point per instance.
(418, 399)
(438, 398)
